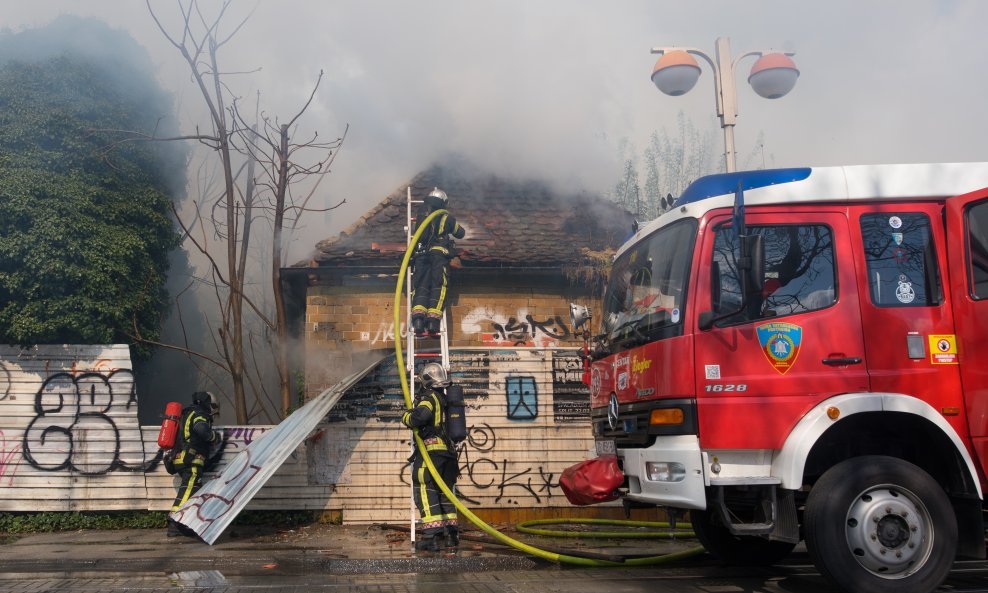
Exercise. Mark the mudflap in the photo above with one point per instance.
(592, 481)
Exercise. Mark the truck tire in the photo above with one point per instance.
(736, 549)
(877, 524)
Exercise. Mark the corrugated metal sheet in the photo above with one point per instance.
(219, 502)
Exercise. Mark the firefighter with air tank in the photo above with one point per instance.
(191, 441)
(438, 415)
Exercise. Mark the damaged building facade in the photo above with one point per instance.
(527, 254)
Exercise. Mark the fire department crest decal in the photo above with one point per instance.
(780, 343)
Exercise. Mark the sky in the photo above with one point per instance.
(549, 89)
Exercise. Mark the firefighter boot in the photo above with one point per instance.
(418, 325)
(174, 530)
(434, 326)
(452, 536)
(428, 543)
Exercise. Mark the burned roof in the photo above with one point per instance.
(507, 223)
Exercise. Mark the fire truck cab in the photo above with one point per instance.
(802, 354)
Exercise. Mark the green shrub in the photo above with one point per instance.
(49, 521)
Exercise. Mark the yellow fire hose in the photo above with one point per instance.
(528, 549)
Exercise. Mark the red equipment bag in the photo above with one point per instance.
(169, 426)
(592, 481)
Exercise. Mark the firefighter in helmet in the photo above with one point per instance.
(194, 440)
(431, 264)
(438, 525)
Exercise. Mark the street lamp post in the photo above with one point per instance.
(772, 76)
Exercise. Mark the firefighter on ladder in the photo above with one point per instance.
(428, 414)
(430, 267)
(195, 438)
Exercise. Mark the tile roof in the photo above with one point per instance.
(507, 223)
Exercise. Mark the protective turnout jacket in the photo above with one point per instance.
(440, 234)
(427, 415)
(195, 436)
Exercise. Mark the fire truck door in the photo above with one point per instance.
(967, 232)
(795, 344)
(906, 314)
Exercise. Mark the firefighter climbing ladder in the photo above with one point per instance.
(413, 355)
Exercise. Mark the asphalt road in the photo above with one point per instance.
(370, 559)
(446, 575)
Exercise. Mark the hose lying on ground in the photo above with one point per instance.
(466, 512)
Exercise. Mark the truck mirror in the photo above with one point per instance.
(753, 263)
(752, 273)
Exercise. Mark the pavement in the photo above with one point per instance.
(271, 551)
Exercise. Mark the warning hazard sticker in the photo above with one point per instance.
(943, 349)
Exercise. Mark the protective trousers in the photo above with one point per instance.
(435, 508)
(430, 277)
(191, 482)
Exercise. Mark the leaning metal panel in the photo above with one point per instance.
(220, 500)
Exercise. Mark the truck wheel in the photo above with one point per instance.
(736, 549)
(877, 524)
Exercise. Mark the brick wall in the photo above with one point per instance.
(346, 327)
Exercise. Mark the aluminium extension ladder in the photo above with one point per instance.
(414, 355)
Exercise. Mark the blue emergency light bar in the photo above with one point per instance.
(727, 183)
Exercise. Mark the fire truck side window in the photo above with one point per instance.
(799, 272)
(901, 260)
(977, 241)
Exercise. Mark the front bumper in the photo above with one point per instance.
(687, 493)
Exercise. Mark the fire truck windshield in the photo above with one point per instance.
(646, 295)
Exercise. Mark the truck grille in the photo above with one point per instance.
(632, 428)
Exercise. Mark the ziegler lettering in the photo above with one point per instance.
(638, 366)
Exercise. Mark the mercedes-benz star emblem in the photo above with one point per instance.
(612, 412)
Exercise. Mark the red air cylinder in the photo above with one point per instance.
(169, 426)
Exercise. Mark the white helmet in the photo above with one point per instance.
(433, 375)
(437, 198)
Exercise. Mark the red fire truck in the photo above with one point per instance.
(802, 354)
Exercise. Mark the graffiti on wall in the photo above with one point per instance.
(484, 471)
(385, 333)
(521, 329)
(522, 394)
(75, 428)
(4, 381)
(503, 383)
(8, 452)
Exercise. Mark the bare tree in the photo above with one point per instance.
(230, 214)
(280, 158)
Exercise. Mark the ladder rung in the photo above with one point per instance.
(428, 354)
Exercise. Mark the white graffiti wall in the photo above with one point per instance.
(70, 438)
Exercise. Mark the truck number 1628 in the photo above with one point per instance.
(727, 387)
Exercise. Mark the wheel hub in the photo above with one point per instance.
(888, 531)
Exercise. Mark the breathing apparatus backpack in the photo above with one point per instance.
(456, 417)
(167, 436)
